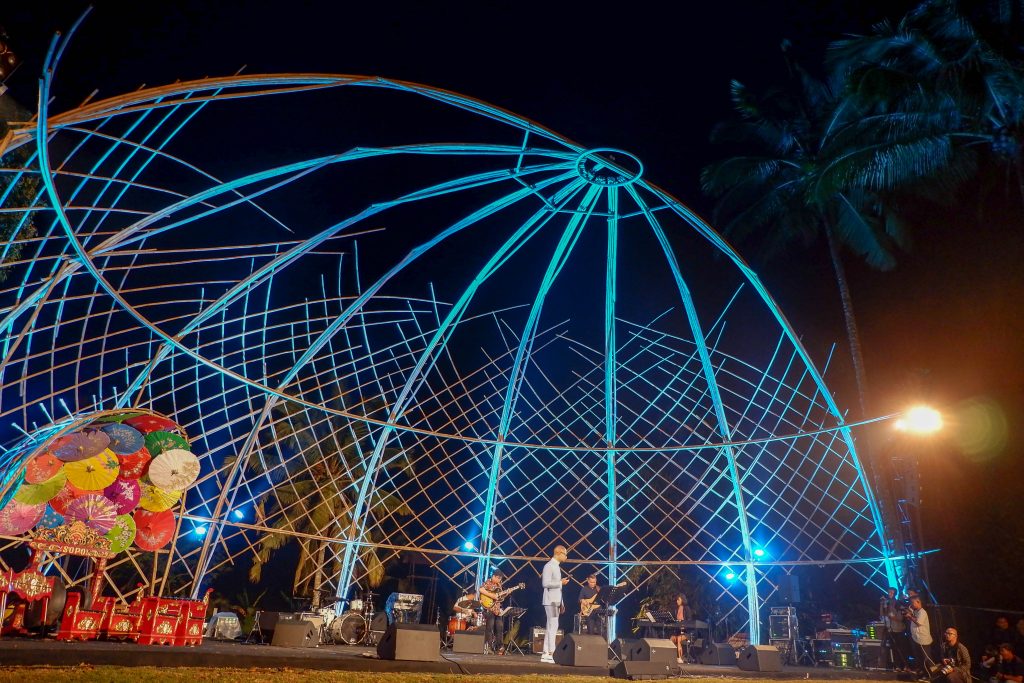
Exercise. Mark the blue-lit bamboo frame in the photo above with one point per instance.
(657, 400)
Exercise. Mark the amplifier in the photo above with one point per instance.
(538, 640)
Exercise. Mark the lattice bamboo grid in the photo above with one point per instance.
(513, 341)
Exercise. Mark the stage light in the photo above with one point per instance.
(238, 514)
(468, 545)
(758, 552)
(920, 420)
(730, 575)
(200, 530)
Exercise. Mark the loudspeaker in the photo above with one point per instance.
(410, 642)
(873, 654)
(642, 671)
(719, 654)
(622, 647)
(294, 634)
(469, 642)
(653, 650)
(789, 590)
(760, 658)
(582, 650)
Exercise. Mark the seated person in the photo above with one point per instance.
(954, 661)
(1008, 667)
(1001, 632)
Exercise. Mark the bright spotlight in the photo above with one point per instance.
(920, 420)
(238, 514)
(729, 576)
(200, 530)
(759, 552)
(468, 545)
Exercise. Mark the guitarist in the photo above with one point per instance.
(589, 621)
(494, 625)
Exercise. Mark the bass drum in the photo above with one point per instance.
(348, 629)
(378, 625)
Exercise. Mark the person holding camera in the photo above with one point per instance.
(1007, 667)
(955, 666)
(890, 612)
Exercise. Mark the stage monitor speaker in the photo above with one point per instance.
(760, 658)
(789, 590)
(642, 671)
(873, 654)
(538, 639)
(653, 650)
(582, 650)
(718, 654)
(622, 647)
(410, 643)
(468, 642)
(294, 634)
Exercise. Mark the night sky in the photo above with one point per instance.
(945, 325)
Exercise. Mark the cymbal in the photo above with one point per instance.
(469, 604)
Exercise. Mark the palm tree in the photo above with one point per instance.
(939, 57)
(813, 164)
(312, 493)
(16, 192)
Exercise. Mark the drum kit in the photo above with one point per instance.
(468, 614)
(360, 624)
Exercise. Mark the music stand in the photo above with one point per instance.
(514, 614)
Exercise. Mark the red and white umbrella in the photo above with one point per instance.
(64, 497)
(153, 530)
(17, 517)
(96, 511)
(124, 494)
(174, 470)
(151, 423)
(44, 466)
(134, 465)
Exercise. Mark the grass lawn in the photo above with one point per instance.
(118, 674)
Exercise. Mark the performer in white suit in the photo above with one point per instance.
(552, 581)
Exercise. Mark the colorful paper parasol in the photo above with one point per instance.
(152, 423)
(119, 417)
(96, 511)
(124, 439)
(17, 517)
(33, 494)
(123, 533)
(95, 473)
(155, 499)
(134, 465)
(15, 483)
(153, 529)
(42, 467)
(124, 494)
(80, 445)
(158, 442)
(174, 470)
(64, 497)
(51, 518)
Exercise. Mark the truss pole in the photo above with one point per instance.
(610, 389)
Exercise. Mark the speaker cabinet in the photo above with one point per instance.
(623, 647)
(410, 643)
(294, 634)
(873, 654)
(760, 658)
(653, 650)
(642, 671)
(789, 590)
(538, 640)
(582, 650)
(468, 642)
(718, 654)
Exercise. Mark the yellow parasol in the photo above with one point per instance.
(95, 473)
(156, 499)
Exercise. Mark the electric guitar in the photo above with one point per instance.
(590, 604)
(494, 604)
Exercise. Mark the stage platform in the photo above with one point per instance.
(214, 654)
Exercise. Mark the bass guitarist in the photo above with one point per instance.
(589, 595)
(494, 625)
